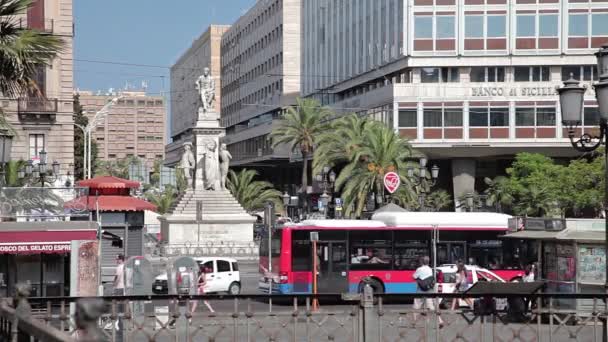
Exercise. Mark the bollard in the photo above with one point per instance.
(88, 312)
(369, 318)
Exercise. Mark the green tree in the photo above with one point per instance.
(163, 200)
(498, 193)
(470, 205)
(11, 173)
(252, 194)
(381, 150)
(439, 200)
(22, 52)
(117, 168)
(299, 128)
(79, 141)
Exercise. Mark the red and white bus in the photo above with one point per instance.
(385, 251)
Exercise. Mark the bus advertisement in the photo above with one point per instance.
(384, 252)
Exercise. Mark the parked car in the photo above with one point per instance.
(223, 276)
(446, 281)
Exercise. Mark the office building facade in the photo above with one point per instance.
(185, 100)
(134, 127)
(469, 82)
(260, 73)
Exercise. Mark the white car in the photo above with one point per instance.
(223, 276)
(446, 280)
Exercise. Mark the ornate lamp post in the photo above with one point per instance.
(40, 172)
(328, 177)
(571, 97)
(285, 197)
(419, 179)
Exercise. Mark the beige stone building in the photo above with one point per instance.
(260, 78)
(47, 123)
(135, 126)
(204, 52)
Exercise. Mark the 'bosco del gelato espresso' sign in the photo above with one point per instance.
(504, 91)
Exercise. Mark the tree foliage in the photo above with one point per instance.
(300, 128)
(252, 194)
(163, 200)
(117, 168)
(368, 149)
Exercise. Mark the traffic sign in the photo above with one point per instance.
(392, 182)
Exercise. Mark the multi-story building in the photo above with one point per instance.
(134, 127)
(470, 82)
(45, 122)
(185, 100)
(260, 78)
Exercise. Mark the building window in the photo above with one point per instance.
(408, 118)
(474, 26)
(591, 116)
(484, 117)
(499, 117)
(548, 25)
(487, 74)
(578, 25)
(532, 74)
(433, 117)
(599, 24)
(544, 116)
(478, 117)
(452, 117)
(436, 75)
(496, 26)
(36, 144)
(580, 72)
(423, 27)
(445, 26)
(526, 26)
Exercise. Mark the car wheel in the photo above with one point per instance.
(234, 289)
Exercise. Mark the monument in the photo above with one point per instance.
(224, 228)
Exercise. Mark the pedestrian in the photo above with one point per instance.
(530, 273)
(200, 290)
(425, 283)
(461, 285)
(119, 290)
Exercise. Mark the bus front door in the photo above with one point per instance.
(332, 267)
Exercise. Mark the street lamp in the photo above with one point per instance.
(327, 177)
(286, 199)
(571, 97)
(419, 179)
(40, 172)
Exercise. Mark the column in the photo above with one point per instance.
(463, 177)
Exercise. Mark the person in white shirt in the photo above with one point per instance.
(119, 278)
(424, 272)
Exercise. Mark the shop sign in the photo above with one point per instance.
(46, 248)
(391, 182)
(504, 91)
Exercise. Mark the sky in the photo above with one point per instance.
(143, 32)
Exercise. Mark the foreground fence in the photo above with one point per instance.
(355, 318)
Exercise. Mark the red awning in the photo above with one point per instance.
(110, 203)
(108, 182)
(47, 241)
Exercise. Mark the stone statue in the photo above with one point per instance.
(187, 163)
(211, 170)
(225, 157)
(205, 85)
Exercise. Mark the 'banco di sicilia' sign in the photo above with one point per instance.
(513, 91)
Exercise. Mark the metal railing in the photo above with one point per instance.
(357, 318)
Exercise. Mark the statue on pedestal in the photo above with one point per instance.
(205, 85)
(211, 168)
(187, 163)
(225, 157)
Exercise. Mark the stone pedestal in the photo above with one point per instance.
(225, 229)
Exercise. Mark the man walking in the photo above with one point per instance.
(119, 290)
(425, 283)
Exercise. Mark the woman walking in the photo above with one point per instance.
(462, 284)
(202, 281)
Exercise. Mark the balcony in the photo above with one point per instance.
(37, 109)
(43, 25)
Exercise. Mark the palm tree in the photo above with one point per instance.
(251, 194)
(22, 51)
(438, 200)
(497, 192)
(164, 200)
(381, 151)
(299, 128)
(467, 205)
(533, 201)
